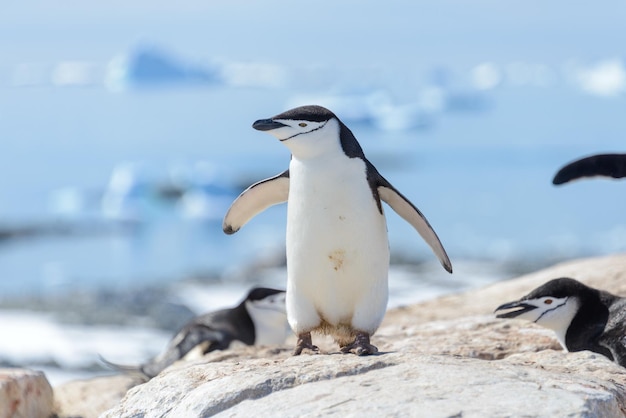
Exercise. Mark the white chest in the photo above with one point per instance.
(334, 225)
(332, 196)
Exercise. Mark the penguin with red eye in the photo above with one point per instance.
(583, 318)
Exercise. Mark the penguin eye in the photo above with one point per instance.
(547, 301)
(302, 124)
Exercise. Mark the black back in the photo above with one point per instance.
(608, 165)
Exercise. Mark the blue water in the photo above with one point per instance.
(482, 174)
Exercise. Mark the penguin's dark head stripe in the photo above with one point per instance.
(302, 133)
(552, 309)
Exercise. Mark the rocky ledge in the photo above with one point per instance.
(447, 357)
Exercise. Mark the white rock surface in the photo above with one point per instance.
(434, 370)
(24, 394)
(443, 358)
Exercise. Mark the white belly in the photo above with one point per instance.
(337, 247)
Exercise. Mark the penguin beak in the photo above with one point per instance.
(267, 125)
(523, 307)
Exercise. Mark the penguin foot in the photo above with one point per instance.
(305, 341)
(361, 346)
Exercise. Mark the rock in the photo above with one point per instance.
(442, 358)
(444, 368)
(89, 398)
(24, 394)
(436, 386)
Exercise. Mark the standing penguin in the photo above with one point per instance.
(337, 246)
(583, 318)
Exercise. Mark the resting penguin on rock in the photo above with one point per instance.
(260, 319)
(582, 317)
(606, 165)
(337, 246)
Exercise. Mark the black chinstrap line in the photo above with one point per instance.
(307, 132)
(550, 310)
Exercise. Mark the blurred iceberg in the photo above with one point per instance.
(606, 78)
(195, 191)
(75, 73)
(254, 74)
(151, 66)
(124, 196)
(486, 76)
(205, 196)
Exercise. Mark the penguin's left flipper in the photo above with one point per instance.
(255, 199)
(403, 207)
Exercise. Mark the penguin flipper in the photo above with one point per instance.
(607, 165)
(403, 207)
(256, 199)
(131, 369)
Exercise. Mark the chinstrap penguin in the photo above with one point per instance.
(337, 245)
(606, 165)
(260, 319)
(582, 317)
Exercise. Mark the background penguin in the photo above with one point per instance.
(260, 319)
(607, 165)
(582, 317)
(337, 245)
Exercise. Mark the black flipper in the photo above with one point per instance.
(606, 165)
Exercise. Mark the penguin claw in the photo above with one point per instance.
(361, 346)
(305, 341)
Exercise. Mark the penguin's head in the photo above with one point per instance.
(307, 131)
(552, 305)
(266, 308)
(263, 298)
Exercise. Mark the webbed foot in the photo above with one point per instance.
(305, 341)
(360, 346)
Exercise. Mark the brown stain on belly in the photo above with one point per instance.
(337, 258)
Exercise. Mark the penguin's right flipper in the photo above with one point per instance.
(607, 165)
(256, 199)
